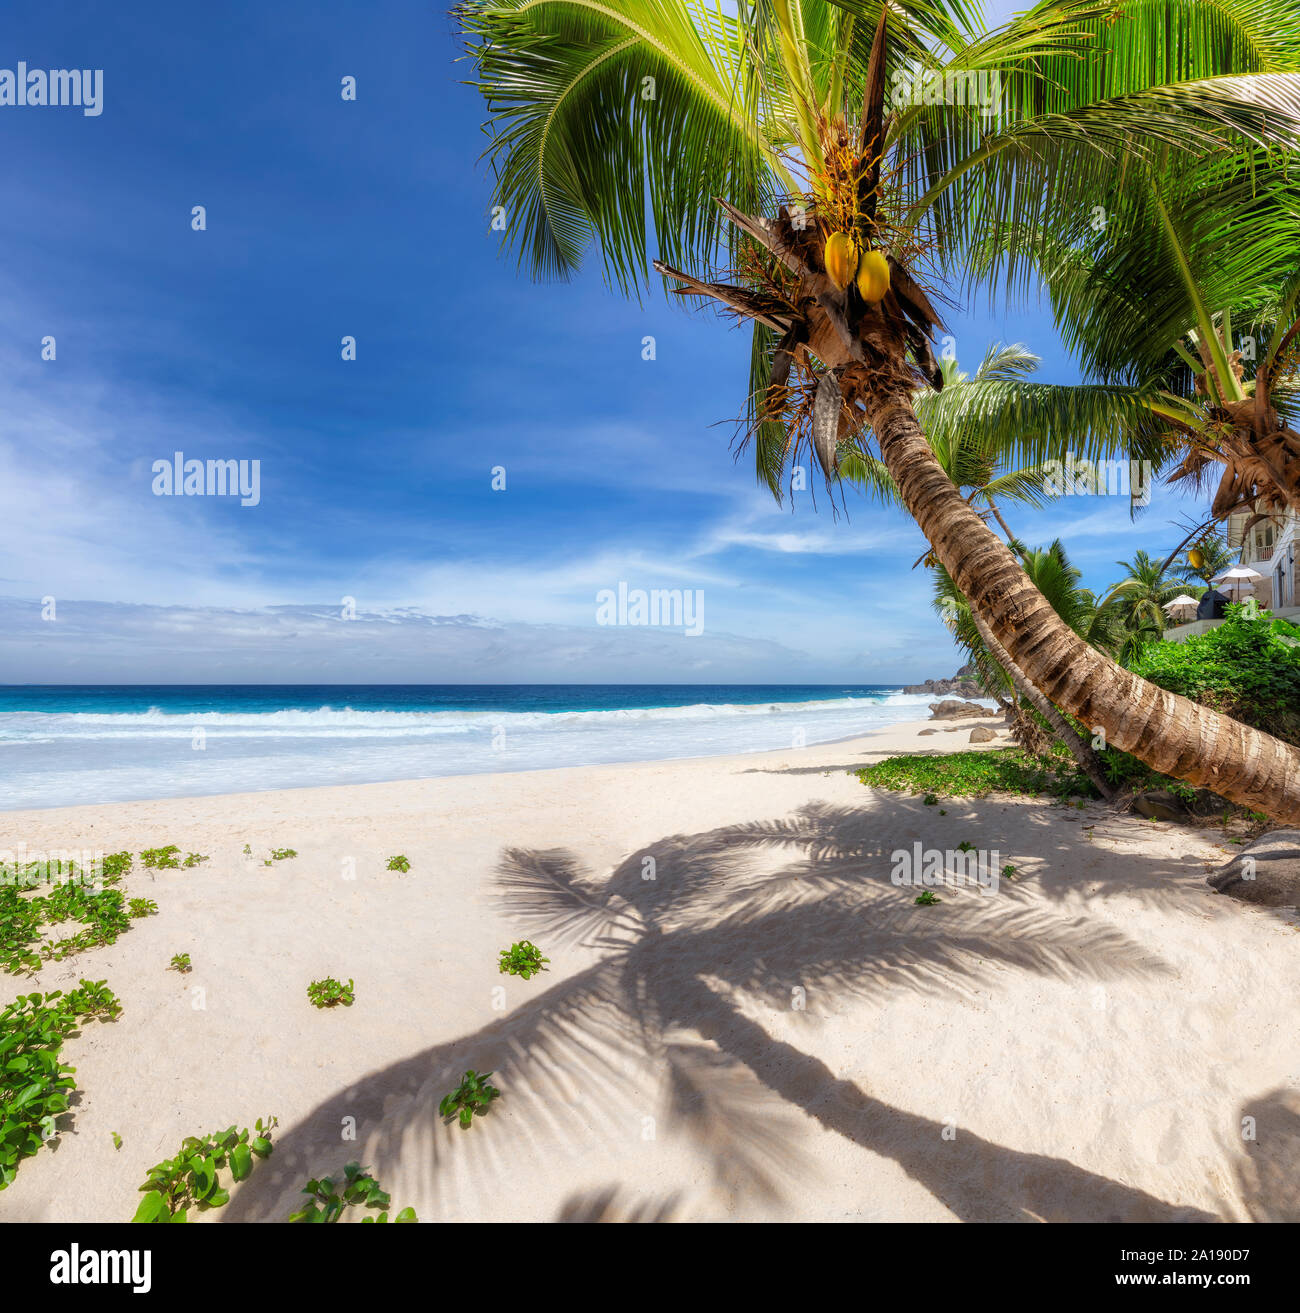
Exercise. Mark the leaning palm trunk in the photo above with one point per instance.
(1081, 752)
(858, 351)
(1171, 734)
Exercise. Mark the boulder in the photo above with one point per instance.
(1158, 805)
(929, 731)
(982, 734)
(963, 684)
(1266, 872)
(953, 709)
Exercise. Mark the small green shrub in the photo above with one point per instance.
(469, 1099)
(398, 863)
(329, 993)
(283, 854)
(359, 1189)
(114, 867)
(143, 907)
(193, 1177)
(93, 998)
(34, 1085)
(157, 859)
(194, 859)
(522, 959)
(1248, 668)
(180, 962)
(926, 898)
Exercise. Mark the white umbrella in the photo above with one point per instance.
(1182, 603)
(1239, 577)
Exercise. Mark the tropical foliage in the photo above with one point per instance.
(1248, 668)
(1138, 600)
(1207, 559)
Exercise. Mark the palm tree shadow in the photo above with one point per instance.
(664, 1031)
(1268, 1169)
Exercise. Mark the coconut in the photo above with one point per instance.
(873, 277)
(841, 258)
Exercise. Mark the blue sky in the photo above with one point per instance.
(328, 218)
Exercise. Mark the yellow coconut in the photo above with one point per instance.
(841, 258)
(873, 276)
(1196, 558)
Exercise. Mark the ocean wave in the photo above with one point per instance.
(346, 722)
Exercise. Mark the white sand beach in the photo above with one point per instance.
(768, 1029)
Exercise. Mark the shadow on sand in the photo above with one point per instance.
(666, 1025)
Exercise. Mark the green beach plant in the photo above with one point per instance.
(158, 859)
(180, 962)
(399, 863)
(330, 993)
(926, 898)
(114, 866)
(35, 1086)
(192, 1179)
(1248, 667)
(142, 907)
(469, 1099)
(522, 959)
(330, 1199)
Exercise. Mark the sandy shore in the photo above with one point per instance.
(766, 1029)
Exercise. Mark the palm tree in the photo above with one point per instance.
(969, 455)
(1189, 259)
(1214, 556)
(764, 138)
(1139, 598)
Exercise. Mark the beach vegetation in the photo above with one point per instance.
(35, 1085)
(158, 859)
(1248, 667)
(522, 959)
(330, 993)
(93, 1000)
(142, 906)
(976, 774)
(193, 1178)
(330, 1199)
(469, 1099)
(283, 854)
(194, 859)
(114, 866)
(399, 863)
(117, 1139)
(926, 898)
(180, 962)
(23, 915)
